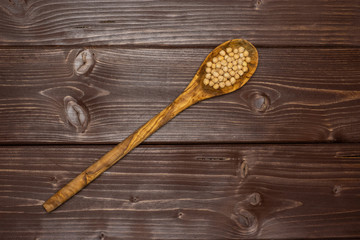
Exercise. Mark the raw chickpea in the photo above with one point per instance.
(211, 83)
(212, 71)
(225, 68)
(215, 60)
(245, 69)
(226, 75)
(208, 70)
(213, 65)
(240, 67)
(232, 80)
(222, 53)
(241, 49)
(237, 76)
(206, 81)
(220, 58)
(246, 53)
(216, 86)
(244, 64)
(208, 76)
(223, 62)
(208, 64)
(235, 68)
(230, 65)
(236, 50)
(240, 61)
(229, 59)
(215, 80)
(241, 55)
(229, 50)
(221, 78)
(232, 73)
(228, 83)
(218, 65)
(241, 73)
(212, 77)
(216, 74)
(226, 57)
(231, 54)
(222, 84)
(221, 72)
(247, 59)
(234, 63)
(236, 56)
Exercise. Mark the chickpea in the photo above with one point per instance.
(206, 81)
(225, 68)
(236, 50)
(241, 49)
(218, 65)
(208, 70)
(221, 78)
(223, 62)
(222, 84)
(232, 73)
(208, 64)
(230, 65)
(215, 60)
(237, 76)
(222, 53)
(216, 86)
(220, 58)
(245, 69)
(227, 75)
(208, 76)
(211, 83)
(231, 54)
(213, 65)
(247, 59)
(216, 74)
(241, 55)
(215, 80)
(228, 83)
(246, 53)
(241, 73)
(229, 59)
(232, 80)
(221, 72)
(235, 68)
(244, 64)
(229, 50)
(236, 56)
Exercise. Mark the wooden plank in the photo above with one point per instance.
(185, 192)
(296, 95)
(190, 23)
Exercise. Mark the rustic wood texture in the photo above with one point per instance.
(185, 192)
(190, 23)
(296, 95)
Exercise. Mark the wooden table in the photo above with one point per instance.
(278, 159)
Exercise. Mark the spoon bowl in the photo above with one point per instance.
(196, 91)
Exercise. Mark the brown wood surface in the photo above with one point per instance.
(77, 77)
(296, 95)
(185, 192)
(195, 23)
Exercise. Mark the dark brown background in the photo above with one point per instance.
(278, 159)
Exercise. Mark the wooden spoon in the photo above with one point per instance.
(196, 91)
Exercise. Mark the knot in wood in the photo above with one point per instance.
(255, 199)
(76, 114)
(84, 62)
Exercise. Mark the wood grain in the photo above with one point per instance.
(175, 23)
(296, 95)
(185, 192)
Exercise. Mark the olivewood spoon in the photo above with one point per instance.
(197, 90)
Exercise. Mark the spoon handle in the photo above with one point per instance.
(189, 97)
